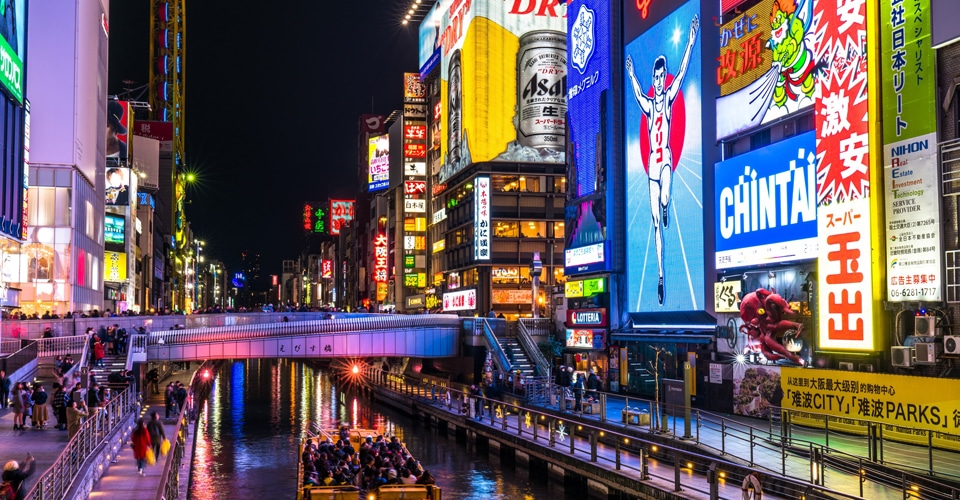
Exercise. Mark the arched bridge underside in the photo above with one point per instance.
(425, 336)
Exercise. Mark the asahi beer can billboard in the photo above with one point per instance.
(503, 83)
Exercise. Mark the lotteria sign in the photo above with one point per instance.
(586, 317)
(767, 204)
(584, 288)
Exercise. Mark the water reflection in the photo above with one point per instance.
(249, 435)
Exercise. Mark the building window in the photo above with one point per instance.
(533, 229)
(506, 229)
(558, 230)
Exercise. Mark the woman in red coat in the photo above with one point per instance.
(140, 440)
(98, 353)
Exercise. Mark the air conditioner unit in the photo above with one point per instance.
(951, 344)
(924, 326)
(901, 356)
(926, 352)
(845, 365)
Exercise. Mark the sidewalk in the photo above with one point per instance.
(121, 481)
(45, 445)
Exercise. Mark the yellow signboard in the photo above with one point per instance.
(909, 408)
(114, 267)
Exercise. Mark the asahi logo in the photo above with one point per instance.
(582, 39)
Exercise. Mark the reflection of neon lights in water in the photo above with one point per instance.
(293, 396)
(237, 390)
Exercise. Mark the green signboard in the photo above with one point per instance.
(11, 70)
(409, 261)
(584, 288)
(909, 74)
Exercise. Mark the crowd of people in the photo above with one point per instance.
(379, 461)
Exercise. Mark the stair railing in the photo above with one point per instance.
(499, 357)
(532, 350)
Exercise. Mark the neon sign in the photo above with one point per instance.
(380, 258)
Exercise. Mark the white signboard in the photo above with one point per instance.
(463, 300)
(417, 168)
(913, 220)
(716, 373)
(439, 215)
(414, 206)
(726, 296)
(582, 256)
(481, 221)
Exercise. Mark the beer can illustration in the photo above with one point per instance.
(455, 109)
(541, 89)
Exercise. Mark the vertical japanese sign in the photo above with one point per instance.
(380, 258)
(912, 200)
(326, 269)
(314, 218)
(843, 177)
(481, 219)
(341, 214)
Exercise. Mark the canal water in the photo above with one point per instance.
(247, 442)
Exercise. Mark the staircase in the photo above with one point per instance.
(111, 364)
(517, 356)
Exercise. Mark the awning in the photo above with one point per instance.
(683, 327)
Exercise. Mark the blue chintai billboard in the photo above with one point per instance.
(767, 204)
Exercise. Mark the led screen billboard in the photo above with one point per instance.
(664, 156)
(114, 230)
(114, 267)
(118, 187)
(378, 175)
(767, 204)
(341, 214)
(119, 119)
(766, 69)
(429, 37)
(502, 86)
(13, 46)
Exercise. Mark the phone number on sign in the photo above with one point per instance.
(913, 292)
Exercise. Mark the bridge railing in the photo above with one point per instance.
(57, 481)
(338, 325)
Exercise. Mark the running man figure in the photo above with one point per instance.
(658, 110)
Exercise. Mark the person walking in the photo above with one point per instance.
(578, 393)
(157, 434)
(140, 441)
(5, 384)
(98, 353)
(752, 486)
(26, 397)
(477, 396)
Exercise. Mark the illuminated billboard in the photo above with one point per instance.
(429, 37)
(326, 269)
(314, 218)
(912, 201)
(13, 46)
(380, 256)
(114, 267)
(378, 175)
(664, 156)
(588, 76)
(481, 219)
(114, 230)
(502, 88)
(589, 258)
(118, 187)
(844, 216)
(766, 69)
(414, 91)
(461, 300)
(119, 120)
(342, 213)
(767, 204)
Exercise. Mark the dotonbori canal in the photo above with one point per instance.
(249, 434)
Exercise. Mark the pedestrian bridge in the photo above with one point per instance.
(420, 336)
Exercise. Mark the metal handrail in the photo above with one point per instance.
(242, 332)
(136, 344)
(537, 326)
(544, 430)
(60, 346)
(17, 360)
(170, 485)
(533, 350)
(56, 481)
(495, 347)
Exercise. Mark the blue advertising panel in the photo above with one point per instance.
(429, 38)
(767, 204)
(114, 230)
(664, 156)
(588, 79)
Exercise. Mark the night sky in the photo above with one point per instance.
(274, 91)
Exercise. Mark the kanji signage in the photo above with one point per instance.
(314, 218)
(481, 246)
(415, 132)
(326, 269)
(414, 150)
(341, 214)
(846, 304)
(726, 296)
(584, 288)
(380, 255)
(461, 300)
(415, 187)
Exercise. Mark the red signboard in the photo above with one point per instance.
(586, 317)
(341, 213)
(161, 131)
(415, 150)
(326, 269)
(415, 187)
(415, 132)
(380, 254)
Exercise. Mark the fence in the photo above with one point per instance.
(92, 439)
(19, 358)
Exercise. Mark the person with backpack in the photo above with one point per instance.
(13, 478)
